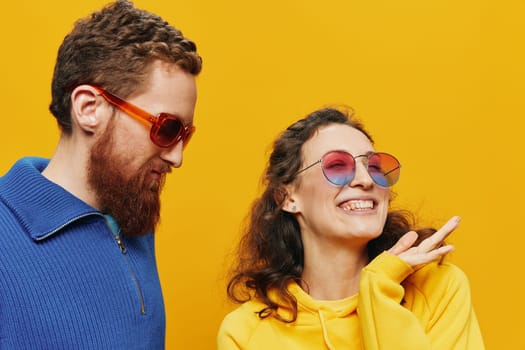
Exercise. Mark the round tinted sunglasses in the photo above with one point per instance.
(339, 167)
(166, 129)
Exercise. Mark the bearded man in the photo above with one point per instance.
(77, 258)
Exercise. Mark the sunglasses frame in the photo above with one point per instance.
(156, 122)
(367, 155)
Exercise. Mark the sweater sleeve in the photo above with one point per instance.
(228, 334)
(226, 341)
(237, 327)
(438, 316)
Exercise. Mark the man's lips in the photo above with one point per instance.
(160, 172)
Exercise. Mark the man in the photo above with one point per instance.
(77, 263)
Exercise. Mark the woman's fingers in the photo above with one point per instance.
(440, 235)
(424, 258)
(429, 250)
(404, 243)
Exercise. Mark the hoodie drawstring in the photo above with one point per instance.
(325, 332)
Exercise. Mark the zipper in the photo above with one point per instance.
(120, 243)
(139, 290)
(123, 251)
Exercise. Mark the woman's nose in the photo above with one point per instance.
(362, 177)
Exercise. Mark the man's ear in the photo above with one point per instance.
(84, 105)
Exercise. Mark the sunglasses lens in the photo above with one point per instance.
(166, 131)
(384, 169)
(338, 167)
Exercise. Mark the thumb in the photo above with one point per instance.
(404, 243)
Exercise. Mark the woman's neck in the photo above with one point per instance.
(332, 274)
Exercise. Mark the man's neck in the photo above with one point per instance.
(68, 169)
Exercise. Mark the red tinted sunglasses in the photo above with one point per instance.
(339, 167)
(166, 129)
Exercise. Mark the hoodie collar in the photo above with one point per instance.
(42, 207)
(330, 308)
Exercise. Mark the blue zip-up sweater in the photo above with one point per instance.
(65, 283)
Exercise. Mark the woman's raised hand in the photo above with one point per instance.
(429, 250)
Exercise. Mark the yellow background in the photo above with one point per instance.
(438, 82)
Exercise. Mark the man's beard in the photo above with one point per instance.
(133, 201)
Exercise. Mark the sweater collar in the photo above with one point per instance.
(42, 207)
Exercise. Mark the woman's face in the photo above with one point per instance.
(352, 214)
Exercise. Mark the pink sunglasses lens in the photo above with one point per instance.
(338, 167)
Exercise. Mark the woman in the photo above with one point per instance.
(323, 264)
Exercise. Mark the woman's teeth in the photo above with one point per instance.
(357, 205)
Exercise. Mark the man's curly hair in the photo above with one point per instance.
(114, 48)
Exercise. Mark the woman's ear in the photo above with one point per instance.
(84, 105)
(290, 204)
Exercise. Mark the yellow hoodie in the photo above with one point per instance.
(396, 308)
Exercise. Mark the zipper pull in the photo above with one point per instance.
(115, 231)
(121, 245)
